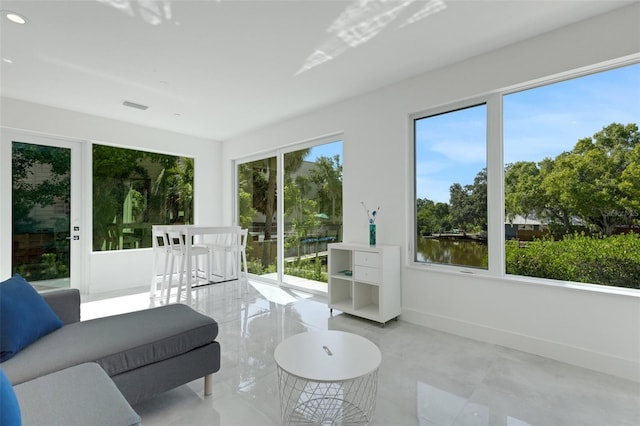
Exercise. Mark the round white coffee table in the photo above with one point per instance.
(327, 377)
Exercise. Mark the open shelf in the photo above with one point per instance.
(341, 293)
(372, 291)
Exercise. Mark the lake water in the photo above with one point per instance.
(453, 252)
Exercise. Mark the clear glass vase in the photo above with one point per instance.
(372, 234)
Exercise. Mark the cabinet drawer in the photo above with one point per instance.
(365, 273)
(367, 258)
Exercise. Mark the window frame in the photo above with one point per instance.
(495, 181)
(493, 103)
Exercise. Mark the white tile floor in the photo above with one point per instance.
(426, 378)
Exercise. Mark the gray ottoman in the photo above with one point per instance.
(80, 395)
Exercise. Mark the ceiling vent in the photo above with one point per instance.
(135, 105)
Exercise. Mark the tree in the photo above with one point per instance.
(179, 197)
(468, 204)
(596, 184)
(28, 193)
(630, 185)
(591, 182)
(264, 185)
(138, 186)
(432, 217)
(327, 175)
(113, 170)
(246, 211)
(522, 190)
(300, 210)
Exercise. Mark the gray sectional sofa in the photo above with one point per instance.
(144, 353)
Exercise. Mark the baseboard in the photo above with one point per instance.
(604, 363)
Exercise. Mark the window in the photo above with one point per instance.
(570, 157)
(572, 179)
(451, 187)
(133, 190)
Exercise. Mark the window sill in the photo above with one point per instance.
(484, 274)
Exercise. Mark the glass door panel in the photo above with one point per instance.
(312, 213)
(257, 188)
(42, 236)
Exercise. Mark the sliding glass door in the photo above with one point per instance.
(292, 215)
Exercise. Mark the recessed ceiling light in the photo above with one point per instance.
(7, 60)
(14, 17)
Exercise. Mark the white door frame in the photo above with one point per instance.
(77, 247)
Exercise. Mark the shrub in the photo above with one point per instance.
(611, 260)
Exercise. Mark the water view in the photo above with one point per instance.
(464, 252)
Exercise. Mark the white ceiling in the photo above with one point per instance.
(216, 69)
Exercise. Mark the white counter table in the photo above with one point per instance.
(216, 237)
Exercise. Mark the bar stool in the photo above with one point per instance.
(162, 249)
(178, 249)
(244, 234)
(229, 252)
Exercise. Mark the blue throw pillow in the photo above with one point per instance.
(9, 407)
(24, 316)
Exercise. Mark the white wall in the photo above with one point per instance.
(587, 328)
(109, 271)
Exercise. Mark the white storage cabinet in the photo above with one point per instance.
(365, 280)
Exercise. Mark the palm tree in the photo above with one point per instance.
(265, 178)
(327, 174)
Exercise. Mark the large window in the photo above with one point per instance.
(451, 187)
(133, 190)
(570, 206)
(572, 179)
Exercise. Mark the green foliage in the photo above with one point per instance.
(49, 267)
(28, 192)
(131, 186)
(468, 204)
(598, 182)
(607, 260)
(310, 269)
(255, 267)
(432, 217)
(246, 210)
(522, 194)
(327, 176)
(306, 196)
(52, 268)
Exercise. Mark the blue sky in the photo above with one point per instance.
(326, 150)
(538, 123)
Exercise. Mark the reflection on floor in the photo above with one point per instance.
(291, 281)
(426, 378)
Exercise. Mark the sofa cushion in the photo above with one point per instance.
(24, 316)
(9, 406)
(118, 343)
(81, 395)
